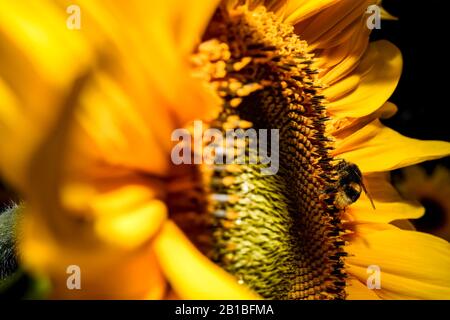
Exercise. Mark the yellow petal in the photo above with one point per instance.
(359, 291)
(192, 275)
(112, 220)
(126, 225)
(43, 59)
(300, 10)
(119, 208)
(376, 148)
(105, 272)
(343, 127)
(39, 61)
(194, 18)
(36, 34)
(389, 205)
(120, 128)
(413, 265)
(175, 26)
(333, 25)
(380, 72)
(339, 62)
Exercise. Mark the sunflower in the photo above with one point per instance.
(86, 118)
(433, 192)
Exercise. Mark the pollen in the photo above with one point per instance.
(281, 234)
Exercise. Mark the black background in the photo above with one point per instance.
(421, 33)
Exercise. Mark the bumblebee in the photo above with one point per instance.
(349, 185)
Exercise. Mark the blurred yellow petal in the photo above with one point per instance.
(87, 121)
(106, 272)
(112, 219)
(175, 27)
(420, 272)
(56, 56)
(191, 274)
(131, 228)
(36, 31)
(39, 61)
(121, 129)
(376, 148)
(433, 191)
(440, 177)
(195, 16)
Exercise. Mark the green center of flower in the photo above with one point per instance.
(280, 234)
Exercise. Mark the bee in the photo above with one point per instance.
(349, 186)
